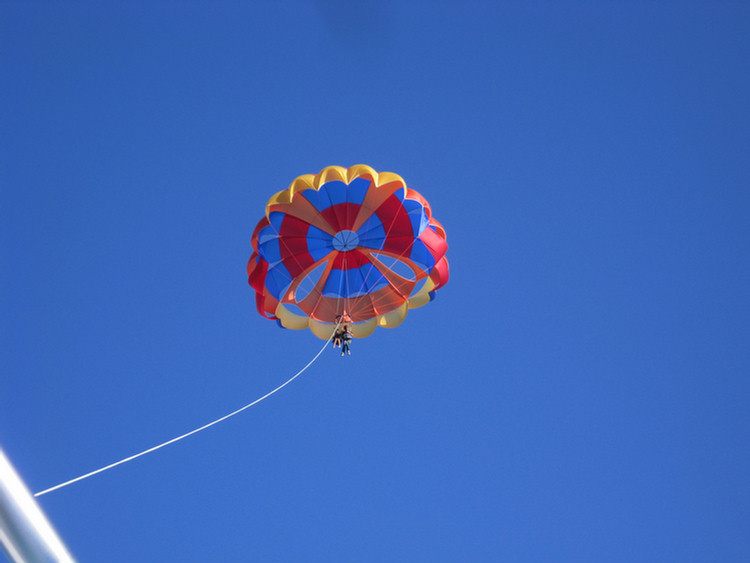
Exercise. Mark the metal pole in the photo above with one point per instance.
(25, 533)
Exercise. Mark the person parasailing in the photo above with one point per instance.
(338, 335)
(346, 339)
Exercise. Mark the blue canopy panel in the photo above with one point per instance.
(371, 233)
(421, 255)
(268, 245)
(417, 215)
(278, 280)
(353, 282)
(319, 243)
(268, 238)
(275, 218)
(335, 192)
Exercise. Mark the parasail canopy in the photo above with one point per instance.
(350, 244)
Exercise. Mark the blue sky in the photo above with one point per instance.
(577, 393)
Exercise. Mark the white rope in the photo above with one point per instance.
(173, 440)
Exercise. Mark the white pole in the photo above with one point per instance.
(25, 533)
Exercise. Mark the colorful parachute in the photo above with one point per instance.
(348, 243)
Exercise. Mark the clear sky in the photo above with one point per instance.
(579, 390)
